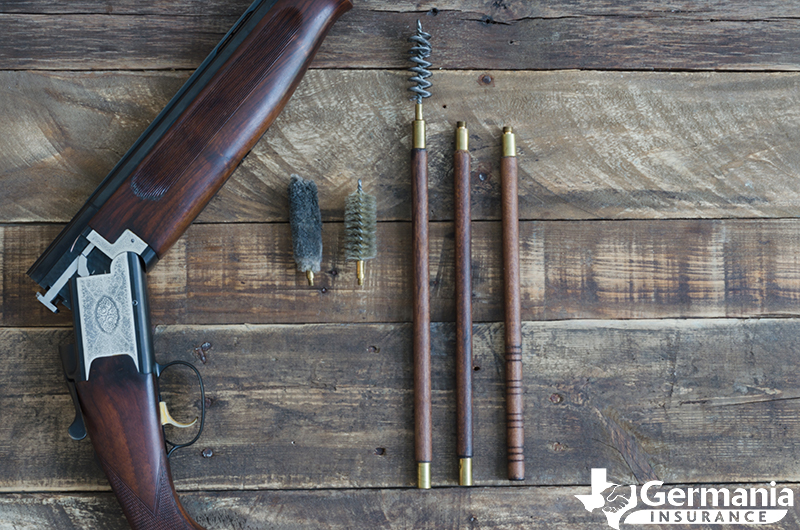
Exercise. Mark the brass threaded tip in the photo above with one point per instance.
(310, 276)
(424, 475)
(508, 130)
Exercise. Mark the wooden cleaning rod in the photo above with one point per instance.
(513, 336)
(461, 166)
(423, 428)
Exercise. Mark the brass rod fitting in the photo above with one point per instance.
(424, 475)
(360, 267)
(419, 128)
(462, 137)
(465, 471)
(509, 142)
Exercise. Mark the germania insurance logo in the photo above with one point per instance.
(652, 504)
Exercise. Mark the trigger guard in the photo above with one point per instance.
(159, 369)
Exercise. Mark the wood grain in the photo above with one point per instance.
(421, 308)
(633, 189)
(2, 274)
(329, 406)
(506, 36)
(592, 144)
(569, 270)
(495, 508)
(506, 11)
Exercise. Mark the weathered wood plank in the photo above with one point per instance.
(319, 406)
(229, 274)
(511, 10)
(496, 508)
(592, 144)
(108, 41)
(484, 36)
(2, 275)
(127, 7)
(501, 12)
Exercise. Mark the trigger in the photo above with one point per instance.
(167, 419)
(77, 430)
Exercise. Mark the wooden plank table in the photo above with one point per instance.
(660, 257)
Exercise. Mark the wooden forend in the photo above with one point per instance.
(194, 158)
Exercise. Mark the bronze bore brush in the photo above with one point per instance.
(360, 226)
(306, 222)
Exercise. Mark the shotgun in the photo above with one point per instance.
(97, 265)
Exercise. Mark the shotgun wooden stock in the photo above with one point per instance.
(120, 407)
